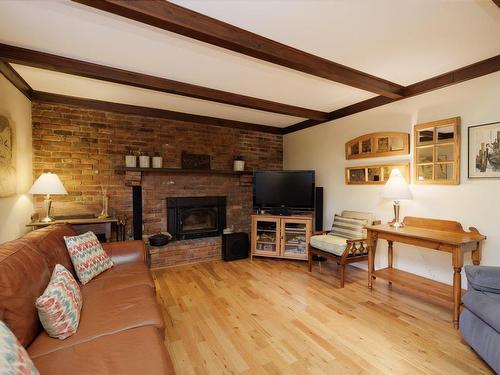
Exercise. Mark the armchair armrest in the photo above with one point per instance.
(355, 247)
(126, 251)
(356, 240)
(483, 278)
(319, 232)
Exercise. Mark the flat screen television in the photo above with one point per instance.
(285, 189)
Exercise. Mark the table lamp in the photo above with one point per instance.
(47, 184)
(396, 189)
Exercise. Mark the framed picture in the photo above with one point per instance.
(8, 178)
(484, 151)
(374, 174)
(378, 144)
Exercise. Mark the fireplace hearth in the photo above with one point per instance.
(196, 217)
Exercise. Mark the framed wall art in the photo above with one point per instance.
(484, 151)
(436, 157)
(377, 145)
(8, 178)
(374, 174)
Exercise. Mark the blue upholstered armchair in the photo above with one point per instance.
(480, 318)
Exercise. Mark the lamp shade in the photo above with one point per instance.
(396, 187)
(48, 183)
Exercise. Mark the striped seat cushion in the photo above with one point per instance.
(351, 229)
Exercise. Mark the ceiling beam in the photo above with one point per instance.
(61, 64)
(46, 97)
(466, 73)
(14, 78)
(183, 21)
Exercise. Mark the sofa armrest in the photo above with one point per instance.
(126, 251)
(483, 278)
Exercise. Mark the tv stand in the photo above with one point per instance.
(280, 211)
(281, 236)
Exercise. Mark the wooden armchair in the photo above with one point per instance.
(335, 244)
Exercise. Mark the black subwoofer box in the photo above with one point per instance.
(235, 246)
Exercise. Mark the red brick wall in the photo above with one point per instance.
(84, 146)
(185, 251)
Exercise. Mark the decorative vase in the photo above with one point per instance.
(157, 162)
(144, 161)
(130, 161)
(105, 202)
(239, 165)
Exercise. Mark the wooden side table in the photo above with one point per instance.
(441, 235)
(96, 225)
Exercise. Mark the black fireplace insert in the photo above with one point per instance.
(196, 217)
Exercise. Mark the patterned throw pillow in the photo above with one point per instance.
(88, 256)
(13, 357)
(351, 229)
(60, 304)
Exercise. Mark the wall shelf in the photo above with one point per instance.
(184, 171)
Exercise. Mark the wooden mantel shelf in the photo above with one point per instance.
(184, 171)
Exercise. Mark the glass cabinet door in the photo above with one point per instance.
(295, 237)
(266, 236)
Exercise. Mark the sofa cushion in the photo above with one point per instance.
(135, 351)
(122, 276)
(60, 304)
(484, 306)
(349, 228)
(23, 277)
(13, 357)
(87, 255)
(329, 243)
(484, 278)
(105, 313)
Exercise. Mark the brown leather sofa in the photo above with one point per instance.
(121, 328)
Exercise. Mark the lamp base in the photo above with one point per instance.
(47, 204)
(396, 223)
(46, 220)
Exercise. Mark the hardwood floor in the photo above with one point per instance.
(273, 317)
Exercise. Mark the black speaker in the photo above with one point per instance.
(235, 246)
(137, 212)
(318, 209)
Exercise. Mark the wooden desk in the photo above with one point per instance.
(440, 235)
(96, 225)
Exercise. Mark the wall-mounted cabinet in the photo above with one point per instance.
(436, 157)
(374, 174)
(377, 145)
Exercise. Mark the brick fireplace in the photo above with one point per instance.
(86, 146)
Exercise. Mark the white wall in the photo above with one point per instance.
(15, 211)
(473, 202)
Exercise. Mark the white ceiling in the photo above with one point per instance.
(402, 41)
(66, 84)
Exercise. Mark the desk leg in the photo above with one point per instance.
(372, 247)
(458, 262)
(390, 253)
(390, 256)
(107, 231)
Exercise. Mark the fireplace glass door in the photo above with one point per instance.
(198, 220)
